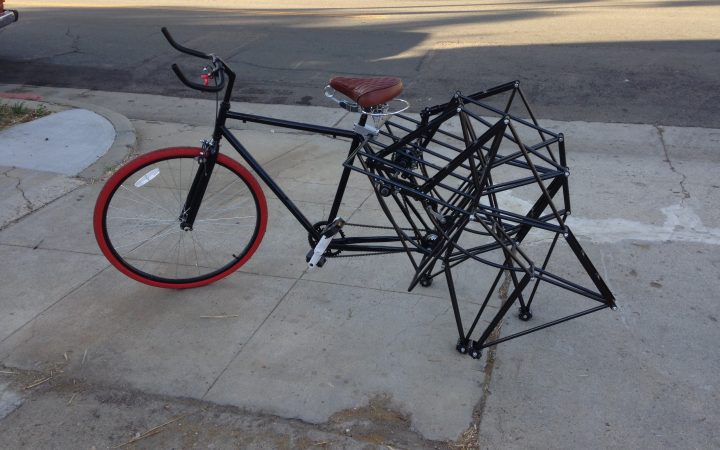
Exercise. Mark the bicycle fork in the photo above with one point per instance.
(206, 160)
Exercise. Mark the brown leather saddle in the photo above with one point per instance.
(368, 92)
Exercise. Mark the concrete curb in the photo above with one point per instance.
(125, 138)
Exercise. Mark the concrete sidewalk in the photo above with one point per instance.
(45, 159)
(328, 348)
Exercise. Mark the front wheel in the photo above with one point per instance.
(137, 219)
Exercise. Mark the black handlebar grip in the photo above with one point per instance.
(180, 48)
(198, 86)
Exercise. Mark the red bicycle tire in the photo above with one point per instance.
(141, 161)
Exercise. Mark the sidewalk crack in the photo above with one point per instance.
(245, 344)
(18, 187)
(685, 192)
(479, 411)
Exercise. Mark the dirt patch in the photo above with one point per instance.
(68, 412)
(378, 410)
(380, 423)
(18, 112)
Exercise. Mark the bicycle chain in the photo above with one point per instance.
(378, 227)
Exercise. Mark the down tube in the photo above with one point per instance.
(270, 182)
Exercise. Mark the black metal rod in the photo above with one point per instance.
(534, 120)
(369, 248)
(485, 302)
(589, 268)
(499, 89)
(568, 285)
(545, 325)
(566, 184)
(492, 133)
(539, 207)
(410, 137)
(454, 302)
(294, 210)
(544, 266)
(365, 239)
(407, 190)
(389, 216)
(342, 185)
(537, 176)
(517, 218)
(499, 187)
(537, 154)
(512, 116)
(503, 310)
(513, 277)
(290, 124)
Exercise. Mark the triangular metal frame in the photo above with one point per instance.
(443, 183)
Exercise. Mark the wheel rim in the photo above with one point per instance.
(141, 222)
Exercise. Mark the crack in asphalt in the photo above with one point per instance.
(75, 44)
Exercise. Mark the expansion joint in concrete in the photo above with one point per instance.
(479, 410)
(683, 177)
(31, 322)
(242, 346)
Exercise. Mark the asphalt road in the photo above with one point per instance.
(636, 62)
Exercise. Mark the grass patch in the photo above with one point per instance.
(13, 114)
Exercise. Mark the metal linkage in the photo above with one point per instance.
(478, 179)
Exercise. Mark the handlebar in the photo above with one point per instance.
(218, 66)
(182, 49)
(200, 87)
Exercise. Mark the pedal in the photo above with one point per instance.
(315, 256)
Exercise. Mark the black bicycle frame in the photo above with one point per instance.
(197, 190)
(262, 173)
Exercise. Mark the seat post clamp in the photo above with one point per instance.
(366, 131)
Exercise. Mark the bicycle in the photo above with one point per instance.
(185, 217)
